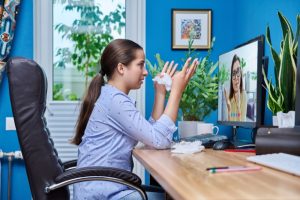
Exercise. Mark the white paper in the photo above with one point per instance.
(164, 80)
(187, 147)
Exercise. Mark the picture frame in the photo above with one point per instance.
(191, 23)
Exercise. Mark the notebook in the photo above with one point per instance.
(280, 161)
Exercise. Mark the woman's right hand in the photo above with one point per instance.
(167, 69)
(181, 79)
(179, 82)
(227, 101)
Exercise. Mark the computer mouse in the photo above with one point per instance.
(221, 145)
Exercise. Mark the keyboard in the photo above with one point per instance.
(280, 161)
(207, 139)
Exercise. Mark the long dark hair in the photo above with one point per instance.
(118, 51)
(234, 59)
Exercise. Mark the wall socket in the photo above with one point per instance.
(10, 124)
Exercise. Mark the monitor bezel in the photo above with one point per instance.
(259, 106)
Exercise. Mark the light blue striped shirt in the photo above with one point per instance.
(114, 128)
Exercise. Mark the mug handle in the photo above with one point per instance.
(217, 128)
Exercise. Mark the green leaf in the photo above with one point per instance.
(213, 68)
(285, 26)
(275, 56)
(287, 75)
(297, 34)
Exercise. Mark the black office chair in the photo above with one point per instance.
(48, 176)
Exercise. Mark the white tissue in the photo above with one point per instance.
(187, 147)
(164, 80)
(286, 120)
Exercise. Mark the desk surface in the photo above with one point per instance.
(185, 176)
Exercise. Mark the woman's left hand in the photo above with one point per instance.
(168, 69)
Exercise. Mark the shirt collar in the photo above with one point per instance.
(116, 91)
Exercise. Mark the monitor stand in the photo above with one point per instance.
(241, 144)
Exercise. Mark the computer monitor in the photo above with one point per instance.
(240, 99)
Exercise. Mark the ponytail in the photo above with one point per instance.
(87, 107)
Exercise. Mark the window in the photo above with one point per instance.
(82, 29)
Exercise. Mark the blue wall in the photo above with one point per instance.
(22, 46)
(158, 35)
(233, 22)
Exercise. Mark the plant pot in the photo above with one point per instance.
(191, 128)
(286, 120)
(275, 120)
(187, 128)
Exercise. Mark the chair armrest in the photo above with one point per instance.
(98, 174)
(99, 171)
(70, 164)
(153, 188)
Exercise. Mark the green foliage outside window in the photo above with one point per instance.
(90, 34)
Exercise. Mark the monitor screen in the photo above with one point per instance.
(240, 86)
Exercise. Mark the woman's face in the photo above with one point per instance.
(135, 72)
(236, 76)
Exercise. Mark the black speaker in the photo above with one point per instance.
(276, 140)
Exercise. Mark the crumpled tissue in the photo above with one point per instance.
(286, 120)
(187, 147)
(165, 79)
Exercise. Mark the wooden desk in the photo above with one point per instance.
(185, 176)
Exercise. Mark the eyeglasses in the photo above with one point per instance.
(236, 73)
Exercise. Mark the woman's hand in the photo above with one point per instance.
(160, 91)
(168, 69)
(237, 97)
(227, 102)
(181, 79)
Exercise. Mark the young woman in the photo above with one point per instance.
(109, 125)
(237, 100)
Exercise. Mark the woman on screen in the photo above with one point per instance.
(236, 102)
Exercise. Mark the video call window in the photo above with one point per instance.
(237, 95)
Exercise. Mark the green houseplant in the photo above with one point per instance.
(89, 34)
(200, 97)
(282, 94)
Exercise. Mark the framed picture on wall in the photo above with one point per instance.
(195, 24)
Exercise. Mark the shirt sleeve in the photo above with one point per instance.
(151, 120)
(127, 119)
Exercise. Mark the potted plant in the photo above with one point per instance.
(200, 97)
(282, 94)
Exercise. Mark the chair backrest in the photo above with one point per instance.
(28, 91)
